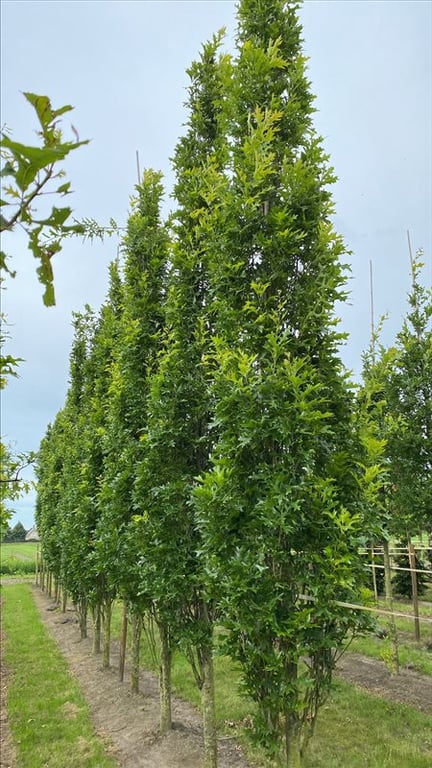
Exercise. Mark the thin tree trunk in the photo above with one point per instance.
(208, 708)
(165, 679)
(64, 600)
(136, 623)
(96, 648)
(107, 634)
(37, 567)
(49, 578)
(389, 606)
(82, 613)
(123, 640)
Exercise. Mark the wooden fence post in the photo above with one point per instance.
(389, 606)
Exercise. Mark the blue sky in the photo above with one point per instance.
(122, 65)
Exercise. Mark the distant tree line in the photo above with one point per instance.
(17, 533)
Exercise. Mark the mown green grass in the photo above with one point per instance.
(354, 729)
(48, 715)
(18, 559)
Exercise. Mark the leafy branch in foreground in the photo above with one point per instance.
(30, 172)
(12, 484)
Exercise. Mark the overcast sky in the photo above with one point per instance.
(122, 65)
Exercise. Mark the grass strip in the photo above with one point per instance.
(48, 715)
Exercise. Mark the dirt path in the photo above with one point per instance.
(130, 721)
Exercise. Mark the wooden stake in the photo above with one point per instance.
(412, 560)
(123, 639)
(389, 605)
(374, 581)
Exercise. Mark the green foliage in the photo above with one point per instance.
(282, 508)
(12, 485)
(30, 172)
(396, 403)
(135, 344)
(8, 363)
(17, 533)
(409, 398)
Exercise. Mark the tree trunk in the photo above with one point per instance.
(37, 567)
(64, 600)
(165, 679)
(293, 755)
(56, 589)
(82, 614)
(96, 648)
(136, 623)
(208, 708)
(107, 634)
(123, 640)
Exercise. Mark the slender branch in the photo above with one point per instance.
(16, 478)
(26, 202)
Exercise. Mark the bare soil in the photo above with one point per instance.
(408, 687)
(129, 722)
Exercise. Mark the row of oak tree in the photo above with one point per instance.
(213, 464)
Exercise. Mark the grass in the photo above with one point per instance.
(354, 729)
(18, 559)
(48, 715)
(410, 653)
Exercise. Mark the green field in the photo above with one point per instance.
(18, 559)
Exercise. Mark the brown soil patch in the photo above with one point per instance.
(408, 687)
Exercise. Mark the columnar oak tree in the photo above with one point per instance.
(92, 432)
(281, 508)
(138, 332)
(175, 446)
(409, 400)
